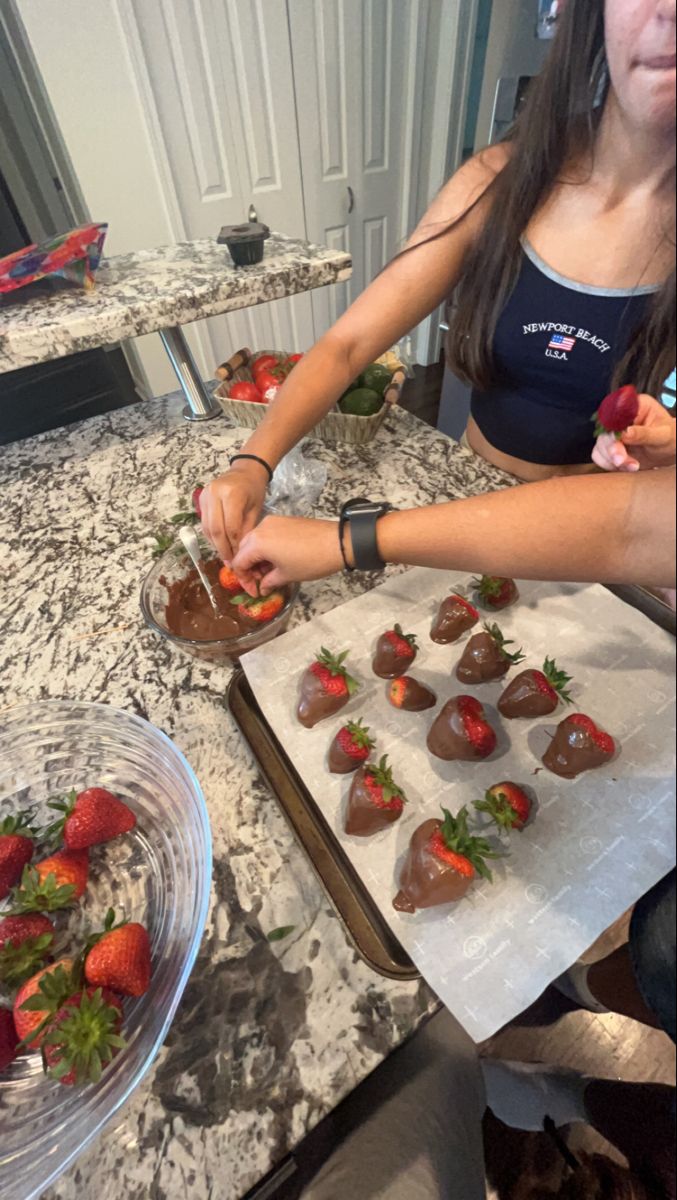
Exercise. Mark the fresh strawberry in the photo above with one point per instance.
(229, 581)
(16, 849)
(455, 846)
(41, 997)
(496, 592)
(603, 741)
(9, 1041)
(381, 787)
(507, 804)
(475, 726)
(260, 608)
(332, 674)
(83, 1037)
(25, 943)
(53, 883)
(120, 959)
(91, 818)
(617, 412)
(354, 741)
(196, 499)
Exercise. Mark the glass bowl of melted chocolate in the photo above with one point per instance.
(175, 605)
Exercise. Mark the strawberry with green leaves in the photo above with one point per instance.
(326, 688)
(16, 849)
(25, 944)
(83, 1037)
(41, 997)
(507, 804)
(119, 958)
(91, 818)
(350, 748)
(9, 1041)
(395, 652)
(444, 860)
(536, 693)
(495, 592)
(375, 800)
(260, 609)
(486, 657)
(54, 883)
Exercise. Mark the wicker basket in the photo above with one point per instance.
(335, 427)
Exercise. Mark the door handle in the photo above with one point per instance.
(252, 214)
(351, 199)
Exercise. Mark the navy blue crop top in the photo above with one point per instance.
(556, 349)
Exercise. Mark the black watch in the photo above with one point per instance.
(362, 516)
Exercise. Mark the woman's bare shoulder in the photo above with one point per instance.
(471, 180)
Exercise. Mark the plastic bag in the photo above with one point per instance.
(297, 485)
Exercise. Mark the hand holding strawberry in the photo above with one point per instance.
(650, 440)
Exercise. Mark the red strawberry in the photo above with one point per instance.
(350, 748)
(229, 581)
(496, 592)
(395, 651)
(91, 818)
(617, 412)
(477, 729)
(382, 789)
(260, 608)
(461, 732)
(535, 693)
(375, 800)
(9, 1040)
(25, 943)
(16, 850)
(325, 688)
(83, 1037)
(442, 862)
(53, 883)
(41, 997)
(507, 804)
(578, 745)
(456, 847)
(121, 960)
(196, 499)
(404, 644)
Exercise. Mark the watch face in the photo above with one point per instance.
(365, 506)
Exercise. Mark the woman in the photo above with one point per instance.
(559, 249)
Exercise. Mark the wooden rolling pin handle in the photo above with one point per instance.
(235, 363)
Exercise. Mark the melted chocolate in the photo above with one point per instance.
(363, 817)
(451, 622)
(449, 741)
(573, 751)
(524, 698)
(388, 664)
(425, 881)
(339, 762)
(315, 704)
(189, 611)
(482, 661)
(417, 696)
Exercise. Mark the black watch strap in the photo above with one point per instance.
(363, 515)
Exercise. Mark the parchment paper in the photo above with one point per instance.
(596, 844)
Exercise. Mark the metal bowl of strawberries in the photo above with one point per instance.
(175, 605)
(105, 873)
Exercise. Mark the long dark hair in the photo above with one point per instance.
(557, 126)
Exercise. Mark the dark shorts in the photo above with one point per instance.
(653, 946)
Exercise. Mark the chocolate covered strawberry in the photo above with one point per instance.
(41, 996)
(442, 863)
(25, 944)
(455, 617)
(83, 1037)
(260, 608)
(16, 849)
(461, 732)
(350, 748)
(617, 412)
(55, 882)
(408, 694)
(375, 800)
(535, 693)
(486, 657)
(90, 818)
(395, 652)
(120, 958)
(326, 688)
(9, 1041)
(507, 804)
(495, 592)
(578, 745)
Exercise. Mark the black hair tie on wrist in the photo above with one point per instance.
(254, 458)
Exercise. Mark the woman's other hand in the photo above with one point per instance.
(231, 505)
(287, 550)
(650, 442)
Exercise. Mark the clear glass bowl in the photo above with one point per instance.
(160, 874)
(174, 565)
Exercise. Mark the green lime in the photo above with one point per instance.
(377, 377)
(361, 402)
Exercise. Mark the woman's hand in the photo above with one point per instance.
(650, 442)
(287, 550)
(231, 505)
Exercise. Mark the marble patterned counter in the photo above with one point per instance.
(268, 1038)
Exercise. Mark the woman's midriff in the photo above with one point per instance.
(527, 471)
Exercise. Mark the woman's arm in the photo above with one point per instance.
(618, 529)
(408, 291)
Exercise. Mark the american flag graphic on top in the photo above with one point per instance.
(559, 342)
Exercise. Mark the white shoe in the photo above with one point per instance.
(523, 1095)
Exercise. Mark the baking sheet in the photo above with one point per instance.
(597, 843)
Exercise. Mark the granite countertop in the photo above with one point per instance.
(149, 290)
(268, 1038)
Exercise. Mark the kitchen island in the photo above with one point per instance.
(269, 1037)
